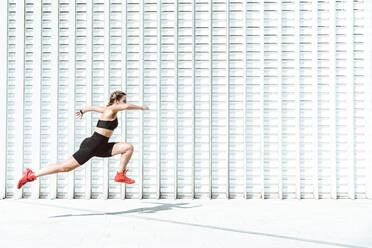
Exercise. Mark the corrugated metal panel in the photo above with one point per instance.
(30, 84)
(219, 100)
(362, 106)
(236, 22)
(158, 102)
(290, 87)
(65, 41)
(49, 95)
(99, 94)
(278, 8)
(67, 183)
(368, 97)
(134, 75)
(308, 125)
(11, 172)
(88, 44)
(315, 97)
(123, 129)
(345, 101)
(3, 94)
(254, 33)
(115, 81)
(82, 39)
(149, 91)
(19, 81)
(244, 59)
(185, 104)
(248, 99)
(202, 70)
(272, 105)
(168, 98)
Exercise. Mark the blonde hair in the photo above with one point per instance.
(116, 95)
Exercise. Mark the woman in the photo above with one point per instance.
(97, 144)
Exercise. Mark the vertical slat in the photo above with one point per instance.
(280, 103)
(19, 89)
(140, 160)
(315, 113)
(368, 99)
(124, 76)
(116, 81)
(106, 85)
(245, 96)
(262, 90)
(350, 95)
(36, 94)
(210, 94)
(65, 80)
(298, 98)
(332, 98)
(89, 57)
(28, 99)
(71, 94)
(228, 98)
(3, 91)
(158, 153)
(193, 103)
(53, 81)
(176, 114)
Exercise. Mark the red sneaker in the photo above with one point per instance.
(28, 176)
(122, 178)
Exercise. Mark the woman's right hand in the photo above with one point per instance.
(79, 114)
(145, 108)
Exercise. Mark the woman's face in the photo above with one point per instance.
(122, 100)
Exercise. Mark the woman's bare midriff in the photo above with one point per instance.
(107, 115)
(104, 131)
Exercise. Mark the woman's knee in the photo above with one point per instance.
(122, 148)
(131, 148)
(66, 168)
(127, 148)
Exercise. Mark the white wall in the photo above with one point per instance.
(247, 99)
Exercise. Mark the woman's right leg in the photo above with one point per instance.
(65, 166)
(125, 150)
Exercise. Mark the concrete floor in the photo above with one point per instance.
(185, 223)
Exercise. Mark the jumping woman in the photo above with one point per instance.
(97, 144)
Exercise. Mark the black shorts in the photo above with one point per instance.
(95, 145)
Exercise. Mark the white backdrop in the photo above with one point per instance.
(247, 99)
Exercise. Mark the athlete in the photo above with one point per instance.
(96, 145)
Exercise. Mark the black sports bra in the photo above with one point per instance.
(108, 124)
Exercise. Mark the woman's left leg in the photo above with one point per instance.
(65, 166)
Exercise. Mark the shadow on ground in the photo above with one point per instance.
(148, 210)
(169, 207)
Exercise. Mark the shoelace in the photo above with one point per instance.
(124, 172)
(126, 175)
(31, 176)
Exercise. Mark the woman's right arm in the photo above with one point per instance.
(98, 109)
(126, 106)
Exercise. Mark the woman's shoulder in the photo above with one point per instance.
(108, 113)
